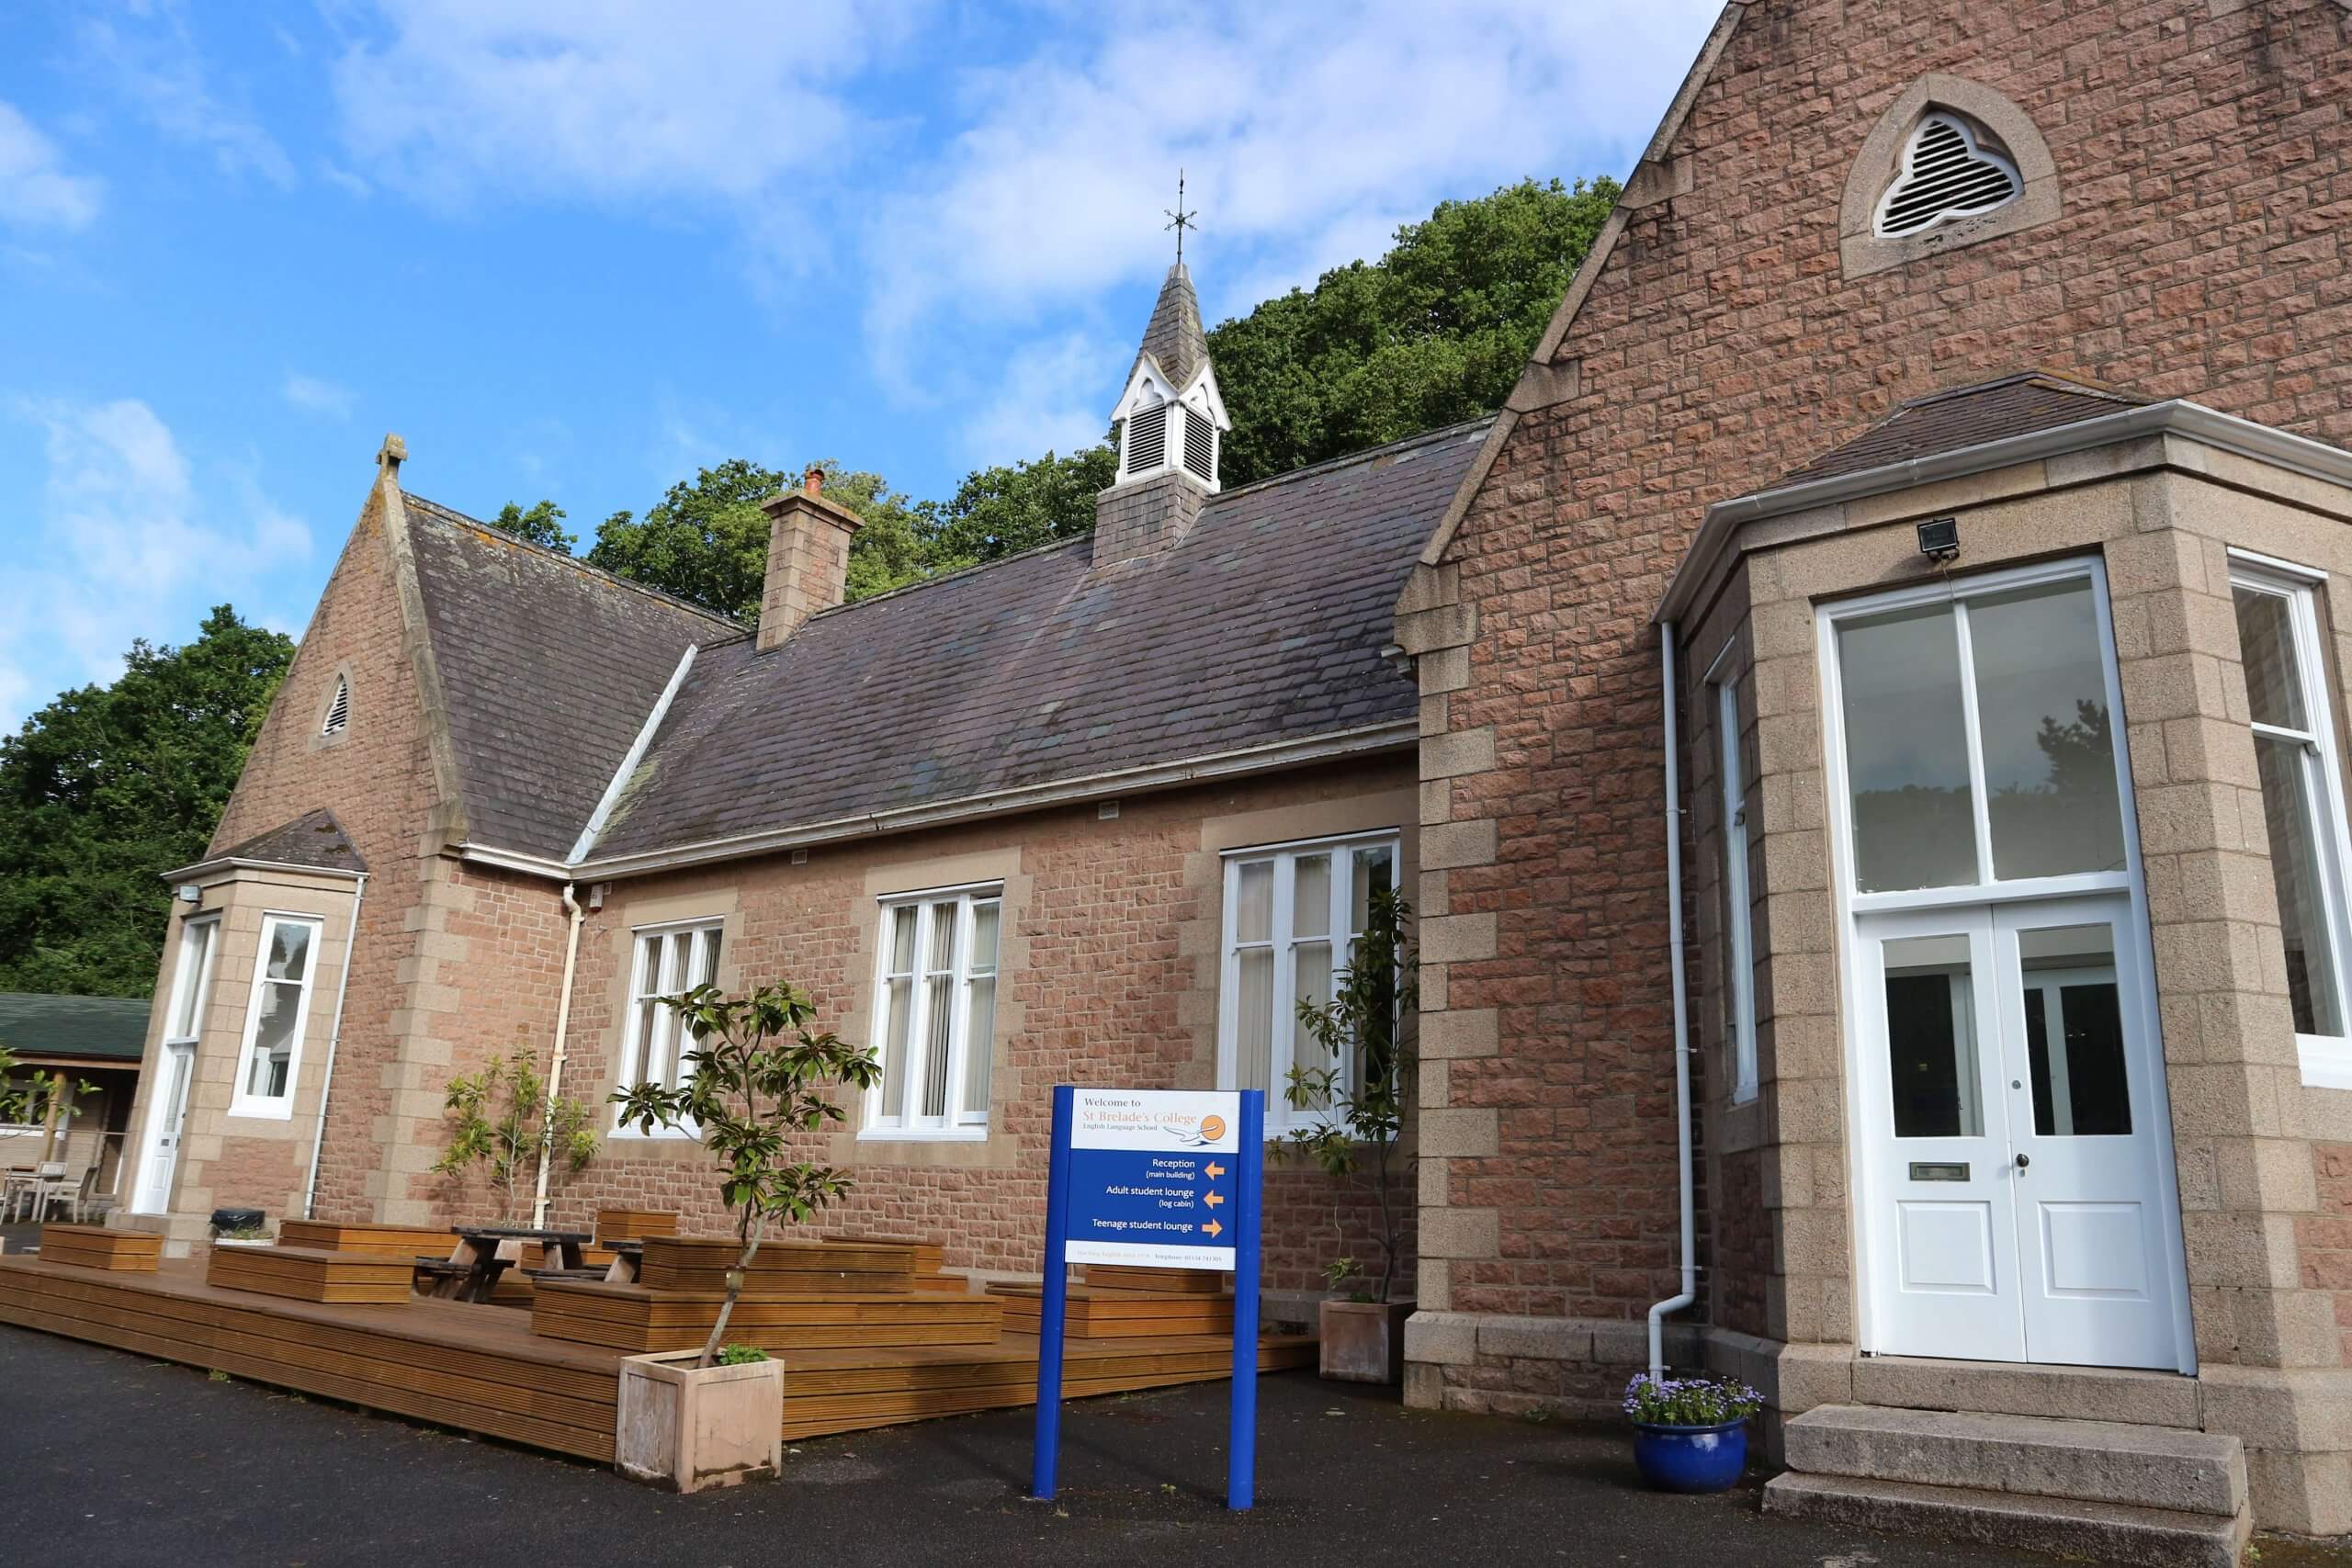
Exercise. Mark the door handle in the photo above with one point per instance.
(2024, 1160)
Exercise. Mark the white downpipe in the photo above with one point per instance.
(1690, 1291)
(335, 1039)
(555, 1068)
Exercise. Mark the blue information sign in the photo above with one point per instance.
(1160, 1179)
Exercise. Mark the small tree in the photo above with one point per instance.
(26, 1102)
(1358, 1122)
(503, 1121)
(758, 1075)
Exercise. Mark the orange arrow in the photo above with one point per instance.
(1214, 1228)
(1213, 1200)
(1216, 1171)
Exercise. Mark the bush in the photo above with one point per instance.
(741, 1354)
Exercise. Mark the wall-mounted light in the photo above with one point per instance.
(191, 893)
(1939, 539)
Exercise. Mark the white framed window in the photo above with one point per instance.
(1292, 914)
(666, 961)
(1739, 943)
(192, 979)
(275, 1016)
(934, 990)
(2302, 806)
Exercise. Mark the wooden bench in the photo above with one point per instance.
(307, 1274)
(94, 1247)
(1092, 1313)
(633, 1318)
(781, 1268)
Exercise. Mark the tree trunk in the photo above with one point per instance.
(752, 1231)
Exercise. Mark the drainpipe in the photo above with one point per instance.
(555, 1068)
(335, 1039)
(1690, 1291)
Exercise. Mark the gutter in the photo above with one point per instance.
(334, 1040)
(2277, 449)
(238, 863)
(562, 1032)
(1690, 1291)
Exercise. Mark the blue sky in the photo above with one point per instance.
(577, 248)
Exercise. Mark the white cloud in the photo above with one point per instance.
(313, 395)
(608, 102)
(152, 60)
(1045, 400)
(130, 547)
(35, 189)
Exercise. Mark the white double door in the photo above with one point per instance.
(2018, 1201)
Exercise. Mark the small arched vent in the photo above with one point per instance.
(1146, 446)
(1200, 448)
(339, 710)
(1945, 174)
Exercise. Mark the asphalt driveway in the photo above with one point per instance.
(111, 1459)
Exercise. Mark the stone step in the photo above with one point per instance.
(2102, 1532)
(2010, 1387)
(2092, 1462)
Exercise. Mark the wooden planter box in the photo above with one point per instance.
(94, 1247)
(404, 1242)
(1090, 1312)
(630, 1318)
(634, 1224)
(689, 1428)
(305, 1274)
(1364, 1341)
(780, 1269)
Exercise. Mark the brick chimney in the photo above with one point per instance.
(807, 557)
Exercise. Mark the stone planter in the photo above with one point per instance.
(689, 1428)
(1364, 1341)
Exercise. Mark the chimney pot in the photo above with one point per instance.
(813, 481)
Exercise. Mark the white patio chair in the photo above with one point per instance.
(48, 1187)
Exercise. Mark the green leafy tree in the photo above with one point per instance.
(541, 525)
(25, 1102)
(1359, 1117)
(1434, 331)
(503, 1121)
(759, 1075)
(705, 540)
(1002, 510)
(106, 788)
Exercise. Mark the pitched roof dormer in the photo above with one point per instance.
(1171, 424)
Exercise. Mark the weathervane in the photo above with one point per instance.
(1180, 219)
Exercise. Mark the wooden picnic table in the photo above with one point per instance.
(628, 1258)
(486, 1252)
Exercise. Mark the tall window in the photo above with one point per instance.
(1739, 952)
(669, 959)
(275, 1015)
(2302, 798)
(936, 1005)
(1292, 914)
(192, 984)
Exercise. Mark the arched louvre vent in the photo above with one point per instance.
(1200, 448)
(1147, 442)
(339, 710)
(1945, 176)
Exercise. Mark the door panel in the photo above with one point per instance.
(171, 1121)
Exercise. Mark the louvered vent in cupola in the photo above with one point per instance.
(1945, 174)
(1146, 446)
(1200, 448)
(339, 710)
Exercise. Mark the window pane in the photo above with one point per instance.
(646, 1024)
(274, 1039)
(289, 950)
(1312, 968)
(198, 949)
(902, 940)
(1375, 872)
(1254, 907)
(942, 953)
(706, 958)
(979, 1043)
(1254, 1038)
(678, 965)
(2274, 686)
(2041, 717)
(1906, 750)
(984, 928)
(939, 1017)
(2290, 813)
(1310, 897)
(1931, 1038)
(894, 1047)
(2075, 1032)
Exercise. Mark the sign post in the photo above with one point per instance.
(1160, 1179)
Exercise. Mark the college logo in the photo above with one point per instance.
(1208, 1131)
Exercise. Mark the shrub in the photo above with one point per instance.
(1689, 1402)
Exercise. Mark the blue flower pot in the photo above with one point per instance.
(1691, 1459)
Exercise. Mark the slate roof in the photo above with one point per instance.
(550, 668)
(1173, 335)
(1967, 416)
(313, 839)
(105, 1028)
(1263, 625)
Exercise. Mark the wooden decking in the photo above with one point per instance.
(480, 1369)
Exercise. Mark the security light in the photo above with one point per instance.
(1939, 539)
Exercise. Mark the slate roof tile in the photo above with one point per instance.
(107, 1029)
(1967, 416)
(313, 839)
